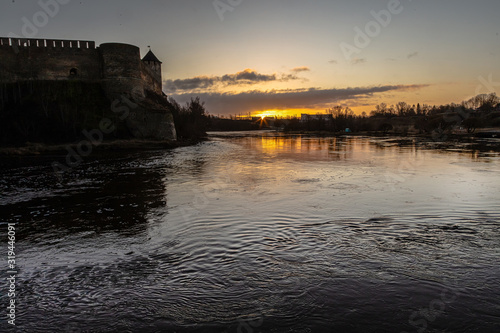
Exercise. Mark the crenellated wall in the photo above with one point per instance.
(118, 65)
(47, 59)
(115, 67)
(26, 42)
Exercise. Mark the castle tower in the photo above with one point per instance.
(153, 63)
(122, 69)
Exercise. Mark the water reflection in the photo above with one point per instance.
(307, 148)
(327, 147)
(285, 233)
(99, 196)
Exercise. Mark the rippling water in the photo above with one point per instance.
(260, 233)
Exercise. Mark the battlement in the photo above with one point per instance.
(46, 43)
(117, 65)
(116, 69)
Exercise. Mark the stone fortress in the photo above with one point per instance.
(116, 66)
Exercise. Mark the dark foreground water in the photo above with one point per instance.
(259, 234)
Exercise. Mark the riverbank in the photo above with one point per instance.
(115, 145)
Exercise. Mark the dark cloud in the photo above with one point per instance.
(200, 82)
(246, 77)
(241, 103)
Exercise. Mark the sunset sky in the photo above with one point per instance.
(291, 56)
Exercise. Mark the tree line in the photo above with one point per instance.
(401, 118)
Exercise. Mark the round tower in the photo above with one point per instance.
(122, 69)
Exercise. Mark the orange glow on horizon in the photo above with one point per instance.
(284, 113)
(297, 112)
(448, 93)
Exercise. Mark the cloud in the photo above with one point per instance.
(412, 55)
(248, 76)
(199, 82)
(358, 61)
(255, 100)
(245, 77)
(300, 69)
(333, 62)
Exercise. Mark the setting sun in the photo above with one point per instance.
(268, 113)
(285, 113)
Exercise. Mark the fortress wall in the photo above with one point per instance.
(47, 59)
(119, 66)
(117, 70)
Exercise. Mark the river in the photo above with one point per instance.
(259, 232)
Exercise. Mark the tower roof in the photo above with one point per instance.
(151, 57)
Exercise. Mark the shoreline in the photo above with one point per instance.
(33, 149)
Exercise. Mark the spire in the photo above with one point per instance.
(150, 57)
